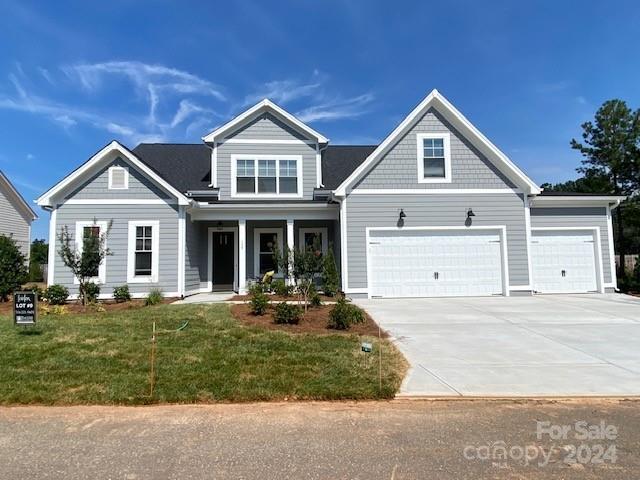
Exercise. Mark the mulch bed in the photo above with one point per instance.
(315, 321)
(6, 308)
(280, 298)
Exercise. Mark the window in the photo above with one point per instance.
(313, 238)
(266, 175)
(434, 161)
(143, 252)
(118, 178)
(266, 240)
(86, 230)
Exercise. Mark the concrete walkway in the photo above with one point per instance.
(211, 297)
(554, 345)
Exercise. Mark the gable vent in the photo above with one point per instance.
(118, 178)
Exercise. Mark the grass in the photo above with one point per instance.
(105, 358)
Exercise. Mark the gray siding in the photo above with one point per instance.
(399, 167)
(267, 127)
(577, 217)
(308, 153)
(97, 187)
(117, 242)
(195, 249)
(435, 210)
(12, 222)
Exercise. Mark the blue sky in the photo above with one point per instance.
(527, 74)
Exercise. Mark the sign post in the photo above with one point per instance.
(25, 308)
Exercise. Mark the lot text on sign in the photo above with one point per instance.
(25, 306)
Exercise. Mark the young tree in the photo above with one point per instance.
(301, 266)
(330, 277)
(13, 267)
(84, 263)
(611, 150)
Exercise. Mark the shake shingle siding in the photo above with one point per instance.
(435, 210)
(267, 127)
(399, 167)
(572, 217)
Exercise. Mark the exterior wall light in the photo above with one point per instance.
(470, 213)
(402, 215)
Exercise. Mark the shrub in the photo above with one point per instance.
(287, 313)
(56, 294)
(330, 277)
(257, 287)
(54, 310)
(315, 301)
(13, 267)
(121, 294)
(343, 315)
(281, 288)
(35, 272)
(91, 292)
(259, 303)
(154, 297)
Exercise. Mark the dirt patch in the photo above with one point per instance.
(280, 298)
(6, 308)
(315, 321)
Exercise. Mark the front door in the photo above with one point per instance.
(223, 261)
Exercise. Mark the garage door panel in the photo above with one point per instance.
(435, 263)
(563, 261)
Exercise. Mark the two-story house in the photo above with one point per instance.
(434, 210)
(16, 215)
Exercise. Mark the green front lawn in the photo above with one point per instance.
(104, 358)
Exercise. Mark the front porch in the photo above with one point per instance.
(225, 254)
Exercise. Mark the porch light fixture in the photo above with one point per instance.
(402, 215)
(470, 213)
(219, 226)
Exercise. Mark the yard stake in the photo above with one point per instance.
(152, 361)
(379, 361)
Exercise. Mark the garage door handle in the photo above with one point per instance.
(564, 273)
(436, 275)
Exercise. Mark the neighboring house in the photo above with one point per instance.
(15, 215)
(434, 210)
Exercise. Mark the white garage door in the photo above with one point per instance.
(563, 261)
(427, 263)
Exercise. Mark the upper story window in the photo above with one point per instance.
(266, 175)
(434, 158)
(118, 178)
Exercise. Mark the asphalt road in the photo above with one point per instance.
(388, 440)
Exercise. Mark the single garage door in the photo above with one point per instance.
(435, 263)
(563, 261)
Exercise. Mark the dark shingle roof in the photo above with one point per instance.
(339, 161)
(187, 166)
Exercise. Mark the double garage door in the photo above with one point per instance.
(435, 263)
(564, 261)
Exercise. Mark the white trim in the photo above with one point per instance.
(595, 231)
(446, 140)
(242, 255)
(520, 288)
(182, 247)
(19, 198)
(256, 159)
(344, 269)
(155, 252)
(357, 291)
(266, 206)
(265, 141)
(466, 128)
(577, 200)
(214, 165)
(53, 231)
(612, 254)
(119, 201)
(45, 199)
(501, 229)
(323, 231)
(79, 240)
(318, 167)
(210, 232)
(432, 191)
(290, 246)
(272, 213)
(256, 245)
(126, 177)
(257, 109)
(527, 230)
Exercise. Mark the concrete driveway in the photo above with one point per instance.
(554, 345)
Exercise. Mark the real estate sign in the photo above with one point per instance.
(25, 307)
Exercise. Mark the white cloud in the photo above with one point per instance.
(284, 91)
(337, 109)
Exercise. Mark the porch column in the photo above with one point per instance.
(242, 256)
(290, 245)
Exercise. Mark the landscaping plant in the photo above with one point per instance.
(287, 313)
(56, 294)
(155, 297)
(343, 315)
(84, 263)
(121, 294)
(280, 287)
(91, 291)
(259, 301)
(330, 277)
(13, 267)
(302, 265)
